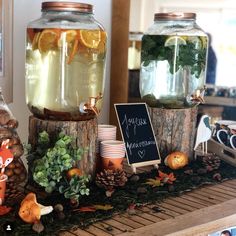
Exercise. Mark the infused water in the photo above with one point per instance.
(65, 72)
(172, 69)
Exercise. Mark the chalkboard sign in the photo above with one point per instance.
(137, 133)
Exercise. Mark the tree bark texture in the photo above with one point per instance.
(84, 133)
(175, 129)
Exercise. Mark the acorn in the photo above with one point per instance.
(4, 117)
(22, 177)
(18, 164)
(9, 172)
(12, 165)
(17, 150)
(58, 207)
(13, 141)
(5, 133)
(17, 171)
(38, 227)
(12, 124)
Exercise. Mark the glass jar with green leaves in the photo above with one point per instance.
(173, 61)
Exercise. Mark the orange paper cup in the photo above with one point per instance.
(3, 181)
(112, 163)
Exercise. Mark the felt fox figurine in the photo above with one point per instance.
(6, 156)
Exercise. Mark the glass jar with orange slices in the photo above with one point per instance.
(65, 62)
(173, 61)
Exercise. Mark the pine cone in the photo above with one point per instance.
(211, 162)
(13, 195)
(109, 179)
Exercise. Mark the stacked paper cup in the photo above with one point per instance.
(105, 132)
(112, 153)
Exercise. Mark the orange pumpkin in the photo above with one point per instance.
(176, 160)
(74, 171)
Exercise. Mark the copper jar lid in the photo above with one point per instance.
(67, 6)
(175, 16)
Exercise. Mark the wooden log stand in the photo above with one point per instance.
(175, 129)
(84, 133)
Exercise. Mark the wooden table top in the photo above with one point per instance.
(199, 212)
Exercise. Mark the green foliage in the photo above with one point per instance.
(76, 187)
(190, 55)
(43, 143)
(51, 161)
(43, 138)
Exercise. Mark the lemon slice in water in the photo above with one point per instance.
(204, 41)
(174, 41)
(196, 41)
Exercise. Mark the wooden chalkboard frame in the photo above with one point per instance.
(134, 165)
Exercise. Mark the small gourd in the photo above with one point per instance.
(74, 171)
(176, 160)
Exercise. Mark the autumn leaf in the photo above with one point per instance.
(166, 178)
(4, 210)
(103, 207)
(153, 182)
(86, 209)
(94, 208)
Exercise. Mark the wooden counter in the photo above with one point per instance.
(220, 101)
(205, 210)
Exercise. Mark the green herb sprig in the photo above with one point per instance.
(190, 55)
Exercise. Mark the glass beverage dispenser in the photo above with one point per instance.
(65, 62)
(173, 61)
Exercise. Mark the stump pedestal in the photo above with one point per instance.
(175, 129)
(84, 133)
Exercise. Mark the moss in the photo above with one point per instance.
(120, 200)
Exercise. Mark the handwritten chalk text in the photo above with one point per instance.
(142, 144)
(133, 123)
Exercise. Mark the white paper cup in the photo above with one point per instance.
(112, 148)
(107, 132)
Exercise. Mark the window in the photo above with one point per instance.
(222, 27)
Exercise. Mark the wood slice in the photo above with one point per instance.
(84, 133)
(175, 129)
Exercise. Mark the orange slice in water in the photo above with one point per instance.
(70, 35)
(102, 44)
(48, 40)
(90, 38)
(69, 39)
(72, 51)
(35, 41)
(30, 34)
(67, 36)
